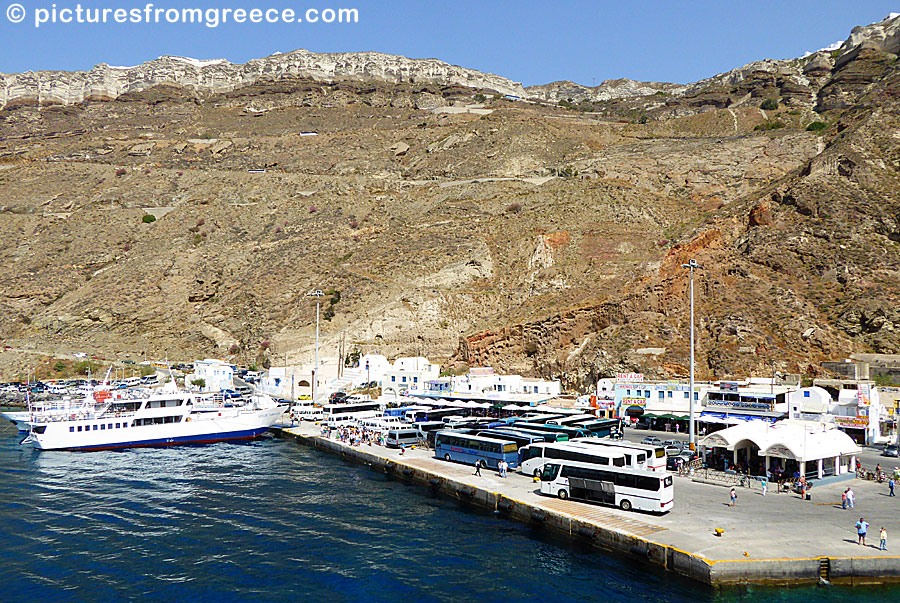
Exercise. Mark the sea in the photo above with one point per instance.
(272, 520)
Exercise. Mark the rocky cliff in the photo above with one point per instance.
(216, 76)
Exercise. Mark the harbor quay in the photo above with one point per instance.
(773, 539)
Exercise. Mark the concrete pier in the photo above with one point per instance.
(776, 539)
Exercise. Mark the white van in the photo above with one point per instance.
(343, 420)
(399, 437)
(308, 413)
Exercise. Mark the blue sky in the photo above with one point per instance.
(527, 41)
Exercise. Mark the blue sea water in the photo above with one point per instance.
(271, 520)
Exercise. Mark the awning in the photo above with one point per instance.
(735, 418)
(666, 415)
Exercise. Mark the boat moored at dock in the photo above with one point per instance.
(161, 418)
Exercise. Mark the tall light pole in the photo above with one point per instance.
(692, 435)
(315, 376)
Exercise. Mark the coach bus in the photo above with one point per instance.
(367, 406)
(655, 455)
(571, 432)
(532, 458)
(625, 488)
(547, 435)
(467, 448)
(521, 439)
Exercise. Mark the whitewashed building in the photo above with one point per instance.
(216, 375)
(408, 373)
(373, 367)
(481, 383)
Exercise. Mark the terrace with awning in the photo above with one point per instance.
(816, 450)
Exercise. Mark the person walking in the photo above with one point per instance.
(851, 499)
(862, 526)
(844, 499)
(883, 538)
(765, 484)
(891, 486)
(478, 467)
(733, 497)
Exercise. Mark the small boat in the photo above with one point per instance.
(162, 417)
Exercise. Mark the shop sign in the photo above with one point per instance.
(862, 395)
(630, 377)
(851, 422)
(740, 404)
(634, 402)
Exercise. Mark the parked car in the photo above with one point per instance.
(652, 440)
(672, 462)
(337, 397)
(677, 443)
(891, 450)
(673, 450)
(640, 425)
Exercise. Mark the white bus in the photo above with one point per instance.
(383, 424)
(625, 488)
(655, 456)
(308, 412)
(533, 456)
(351, 408)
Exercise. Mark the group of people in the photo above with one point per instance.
(355, 436)
(847, 498)
(502, 467)
(862, 528)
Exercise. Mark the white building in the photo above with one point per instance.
(215, 374)
(855, 407)
(296, 380)
(408, 373)
(373, 367)
(481, 383)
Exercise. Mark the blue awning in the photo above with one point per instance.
(729, 417)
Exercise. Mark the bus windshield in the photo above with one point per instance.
(549, 472)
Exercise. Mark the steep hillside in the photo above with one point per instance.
(443, 219)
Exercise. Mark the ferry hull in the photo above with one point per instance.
(247, 434)
(198, 428)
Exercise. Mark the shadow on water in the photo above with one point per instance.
(273, 521)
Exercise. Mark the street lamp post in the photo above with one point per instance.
(692, 435)
(315, 376)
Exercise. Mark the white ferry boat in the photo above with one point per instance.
(19, 418)
(161, 418)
